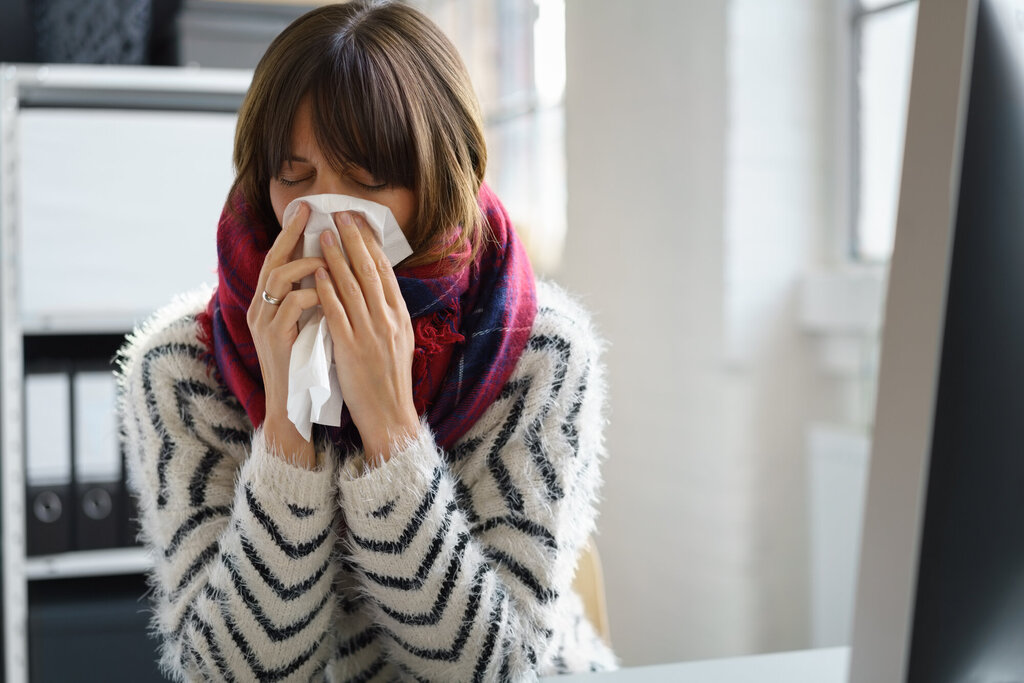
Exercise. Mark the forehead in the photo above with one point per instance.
(302, 137)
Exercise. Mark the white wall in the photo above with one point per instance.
(783, 218)
(645, 127)
(701, 181)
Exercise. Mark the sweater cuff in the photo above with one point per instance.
(277, 478)
(371, 494)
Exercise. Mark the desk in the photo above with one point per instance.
(806, 666)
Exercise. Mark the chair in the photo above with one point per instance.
(589, 585)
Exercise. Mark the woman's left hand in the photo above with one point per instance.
(372, 333)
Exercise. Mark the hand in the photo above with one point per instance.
(274, 329)
(372, 333)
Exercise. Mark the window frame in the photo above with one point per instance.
(858, 14)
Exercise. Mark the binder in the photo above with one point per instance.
(49, 499)
(97, 461)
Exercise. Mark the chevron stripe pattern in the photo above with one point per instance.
(437, 566)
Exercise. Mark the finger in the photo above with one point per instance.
(349, 290)
(337, 317)
(355, 234)
(385, 269)
(277, 285)
(282, 248)
(281, 279)
(293, 306)
(282, 319)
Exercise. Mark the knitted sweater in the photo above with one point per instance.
(442, 566)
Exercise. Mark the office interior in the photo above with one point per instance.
(715, 179)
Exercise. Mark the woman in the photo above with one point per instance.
(433, 535)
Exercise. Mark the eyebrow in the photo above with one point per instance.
(292, 157)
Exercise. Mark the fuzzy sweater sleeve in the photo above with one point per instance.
(241, 540)
(466, 556)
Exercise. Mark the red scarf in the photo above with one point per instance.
(471, 326)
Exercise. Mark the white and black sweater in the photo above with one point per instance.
(441, 566)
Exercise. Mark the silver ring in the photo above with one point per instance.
(269, 299)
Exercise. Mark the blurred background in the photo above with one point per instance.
(715, 179)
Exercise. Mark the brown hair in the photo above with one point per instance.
(388, 93)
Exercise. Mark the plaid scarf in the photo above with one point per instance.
(470, 326)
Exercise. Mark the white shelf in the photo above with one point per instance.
(82, 563)
(31, 96)
(149, 79)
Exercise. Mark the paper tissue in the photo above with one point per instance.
(313, 391)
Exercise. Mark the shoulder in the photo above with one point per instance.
(564, 326)
(559, 378)
(166, 346)
(170, 399)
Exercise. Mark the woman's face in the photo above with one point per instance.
(306, 172)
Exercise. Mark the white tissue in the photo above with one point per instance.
(313, 391)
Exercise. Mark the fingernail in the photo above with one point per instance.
(346, 218)
(321, 274)
(327, 238)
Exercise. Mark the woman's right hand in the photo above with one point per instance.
(274, 328)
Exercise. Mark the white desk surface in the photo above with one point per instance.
(806, 666)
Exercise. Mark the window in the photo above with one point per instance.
(515, 53)
(884, 42)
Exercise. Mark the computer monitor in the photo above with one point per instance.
(941, 586)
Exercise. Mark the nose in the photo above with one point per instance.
(328, 181)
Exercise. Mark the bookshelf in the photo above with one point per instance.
(84, 563)
(72, 130)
